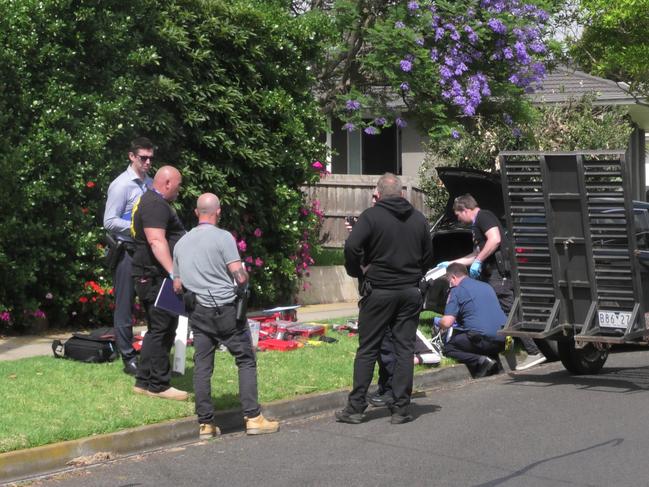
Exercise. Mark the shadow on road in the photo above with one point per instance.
(415, 409)
(618, 379)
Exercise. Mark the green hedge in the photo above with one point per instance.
(220, 86)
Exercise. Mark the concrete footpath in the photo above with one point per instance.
(13, 348)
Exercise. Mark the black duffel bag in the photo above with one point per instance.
(96, 347)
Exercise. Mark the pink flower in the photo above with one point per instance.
(257, 233)
(242, 245)
(49, 296)
(317, 165)
(248, 259)
(38, 314)
(5, 316)
(259, 262)
(90, 184)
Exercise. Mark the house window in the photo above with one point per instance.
(358, 153)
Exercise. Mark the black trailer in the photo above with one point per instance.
(580, 250)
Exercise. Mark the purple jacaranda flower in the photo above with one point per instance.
(471, 35)
(380, 121)
(508, 53)
(449, 61)
(406, 66)
(413, 6)
(537, 47)
(455, 134)
(352, 105)
(444, 72)
(455, 35)
(516, 132)
(371, 130)
(439, 33)
(460, 68)
(419, 41)
(542, 15)
(521, 53)
(405, 86)
(349, 127)
(497, 26)
(469, 110)
(446, 94)
(513, 79)
(434, 55)
(507, 118)
(400, 122)
(399, 25)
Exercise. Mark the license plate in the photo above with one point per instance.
(614, 319)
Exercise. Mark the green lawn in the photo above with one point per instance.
(45, 400)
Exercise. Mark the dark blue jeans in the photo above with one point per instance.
(212, 326)
(468, 347)
(124, 293)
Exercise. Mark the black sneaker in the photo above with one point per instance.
(344, 416)
(400, 418)
(380, 400)
(485, 367)
(130, 367)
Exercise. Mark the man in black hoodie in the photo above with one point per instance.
(389, 250)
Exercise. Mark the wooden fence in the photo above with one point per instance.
(341, 195)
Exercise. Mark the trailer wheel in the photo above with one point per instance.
(548, 348)
(581, 361)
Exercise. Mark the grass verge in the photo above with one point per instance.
(45, 400)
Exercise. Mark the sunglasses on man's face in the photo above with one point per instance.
(145, 158)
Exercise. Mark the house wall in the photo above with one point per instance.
(412, 150)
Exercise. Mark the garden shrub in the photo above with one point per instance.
(220, 86)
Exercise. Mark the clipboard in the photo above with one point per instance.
(168, 300)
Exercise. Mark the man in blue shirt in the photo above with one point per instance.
(123, 192)
(474, 306)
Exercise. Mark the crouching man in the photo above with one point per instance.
(207, 263)
(474, 306)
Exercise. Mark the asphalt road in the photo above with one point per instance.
(542, 427)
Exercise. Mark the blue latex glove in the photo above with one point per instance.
(476, 269)
(436, 320)
(444, 264)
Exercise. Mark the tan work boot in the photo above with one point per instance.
(171, 393)
(260, 426)
(208, 430)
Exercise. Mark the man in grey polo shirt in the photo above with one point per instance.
(207, 264)
(123, 192)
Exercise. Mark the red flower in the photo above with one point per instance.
(84, 211)
(90, 184)
(83, 299)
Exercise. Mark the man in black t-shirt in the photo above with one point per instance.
(490, 261)
(155, 228)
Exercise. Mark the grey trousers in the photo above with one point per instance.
(212, 326)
